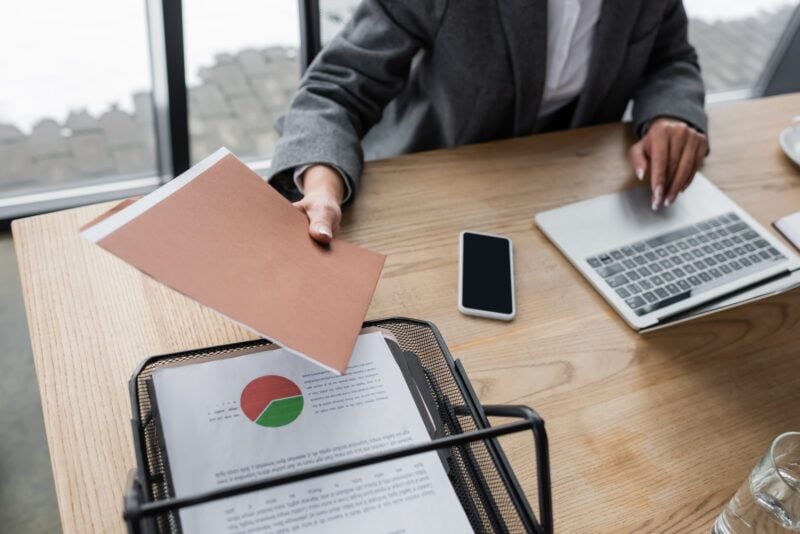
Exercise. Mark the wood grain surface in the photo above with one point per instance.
(648, 433)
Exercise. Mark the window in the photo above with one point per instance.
(735, 40)
(75, 104)
(333, 15)
(242, 67)
(82, 119)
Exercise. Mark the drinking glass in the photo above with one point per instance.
(769, 500)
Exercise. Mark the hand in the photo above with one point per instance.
(324, 191)
(672, 151)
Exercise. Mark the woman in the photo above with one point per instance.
(409, 75)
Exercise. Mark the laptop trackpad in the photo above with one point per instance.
(609, 221)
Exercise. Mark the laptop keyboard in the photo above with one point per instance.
(655, 273)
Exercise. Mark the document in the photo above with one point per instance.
(266, 414)
(223, 237)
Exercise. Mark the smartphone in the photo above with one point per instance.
(486, 276)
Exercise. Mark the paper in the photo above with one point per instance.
(220, 235)
(789, 226)
(265, 414)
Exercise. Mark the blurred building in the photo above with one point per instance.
(733, 53)
(235, 105)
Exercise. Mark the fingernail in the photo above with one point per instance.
(640, 174)
(667, 203)
(324, 231)
(657, 194)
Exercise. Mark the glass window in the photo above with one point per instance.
(242, 67)
(75, 105)
(734, 40)
(333, 15)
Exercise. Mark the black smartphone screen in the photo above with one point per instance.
(486, 272)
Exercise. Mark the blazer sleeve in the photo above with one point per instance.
(343, 92)
(671, 84)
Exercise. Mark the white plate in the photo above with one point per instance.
(790, 141)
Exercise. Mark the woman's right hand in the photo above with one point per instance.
(324, 191)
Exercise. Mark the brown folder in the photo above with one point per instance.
(222, 236)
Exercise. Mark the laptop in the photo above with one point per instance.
(655, 268)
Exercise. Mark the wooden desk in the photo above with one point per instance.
(648, 433)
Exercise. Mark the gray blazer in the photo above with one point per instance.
(410, 75)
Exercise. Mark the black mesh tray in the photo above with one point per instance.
(477, 466)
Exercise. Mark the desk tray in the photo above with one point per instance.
(478, 469)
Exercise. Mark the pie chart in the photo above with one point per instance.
(271, 401)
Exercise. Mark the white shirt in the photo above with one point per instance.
(570, 32)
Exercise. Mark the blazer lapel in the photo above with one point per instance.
(525, 25)
(611, 37)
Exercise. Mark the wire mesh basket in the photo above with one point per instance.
(477, 467)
